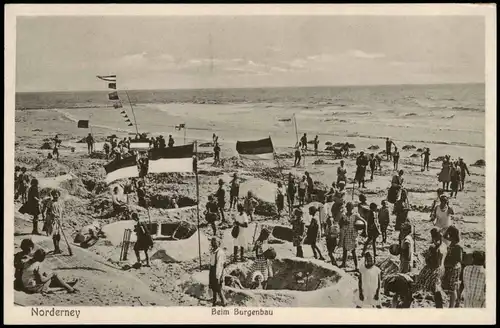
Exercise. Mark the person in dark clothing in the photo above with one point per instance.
(144, 240)
(34, 204)
(211, 213)
(234, 192)
(141, 194)
(346, 148)
(298, 157)
(221, 199)
(400, 286)
(106, 149)
(426, 155)
(361, 163)
(170, 141)
(463, 169)
(20, 259)
(313, 233)
(388, 148)
(161, 142)
(90, 143)
(216, 154)
(316, 144)
(310, 186)
(291, 190)
(373, 229)
(298, 228)
(303, 141)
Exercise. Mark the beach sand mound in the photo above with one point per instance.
(373, 147)
(46, 146)
(414, 155)
(99, 283)
(480, 162)
(98, 154)
(51, 168)
(65, 184)
(409, 147)
(264, 192)
(328, 143)
(319, 162)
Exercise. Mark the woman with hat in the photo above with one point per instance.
(349, 235)
(298, 228)
(234, 191)
(216, 271)
(314, 233)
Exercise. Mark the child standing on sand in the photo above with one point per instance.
(383, 220)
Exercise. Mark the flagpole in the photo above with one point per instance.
(133, 113)
(184, 135)
(296, 132)
(197, 199)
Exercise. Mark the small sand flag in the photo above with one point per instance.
(83, 124)
(172, 159)
(122, 168)
(180, 126)
(256, 150)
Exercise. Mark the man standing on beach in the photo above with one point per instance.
(234, 192)
(221, 199)
(310, 186)
(463, 169)
(426, 154)
(361, 163)
(170, 141)
(298, 157)
(388, 148)
(216, 153)
(90, 143)
(303, 141)
(316, 143)
(57, 143)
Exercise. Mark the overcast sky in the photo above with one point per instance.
(66, 53)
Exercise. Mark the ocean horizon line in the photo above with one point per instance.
(264, 87)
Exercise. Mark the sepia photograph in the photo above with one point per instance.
(243, 163)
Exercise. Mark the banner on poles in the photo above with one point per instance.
(83, 124)
(122, 168)
(139, 144)
(172, 159)
(256, 150)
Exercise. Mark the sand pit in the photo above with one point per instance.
(174, 241)
(296, 282)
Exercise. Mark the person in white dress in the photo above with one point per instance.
(369, 283)
(442, 215)
(240, 224)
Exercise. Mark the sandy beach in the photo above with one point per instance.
(430, 121)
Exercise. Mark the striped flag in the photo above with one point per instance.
(257, 150)
(108, 78)
(122, 168)
(172, 159)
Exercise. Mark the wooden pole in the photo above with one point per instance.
(184, 135)
(197, 199)
(64, 236)
(296, 132)
(133, 113)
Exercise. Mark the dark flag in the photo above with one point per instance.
(258, 149)
(172, 159)
(117, 105)
(83, 124)
(180, 126)
(112, 85)
(130, 124)
(127, 120)
(122, 168)
(123, 112)
(113, 96)
(108, 78)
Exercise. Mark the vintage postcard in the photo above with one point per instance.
(250, 164)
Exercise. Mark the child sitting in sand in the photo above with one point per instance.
(36, 280)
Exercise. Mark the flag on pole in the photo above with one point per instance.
(83, 124)
(122, 168)
(108, 78)
(180, 126)
(117, 105)
(172, 159)
(130, 124)
(112, 85)
(113, 96)
(257, 150)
